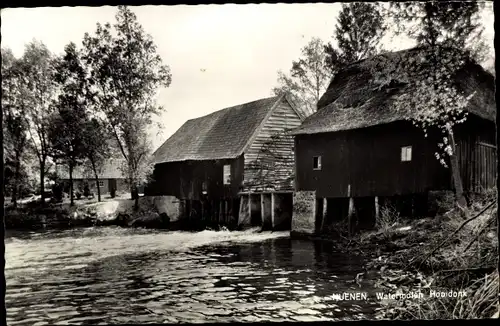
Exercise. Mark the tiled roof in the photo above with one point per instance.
(219, 135)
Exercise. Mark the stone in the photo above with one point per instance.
(304, 211)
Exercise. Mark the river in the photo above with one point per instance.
(117, 275)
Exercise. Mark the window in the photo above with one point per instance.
(317, 163)
(227, 174)
(405, 153)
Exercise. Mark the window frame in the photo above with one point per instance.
(406, 153)
(226, 177)
(317, 159)
(100, 184)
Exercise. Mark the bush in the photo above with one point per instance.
(78, 195)
(388, 217)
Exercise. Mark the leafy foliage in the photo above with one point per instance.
(69, 116)
(125, 73)
(448, 23)
(14, 124)
(360, 27)
(39, 90)
(68, 119)
(308, 78)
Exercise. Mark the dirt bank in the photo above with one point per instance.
(450, 259)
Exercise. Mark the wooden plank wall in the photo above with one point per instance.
(193, 174)
(476, 152)
(275, 165)
(369, 160)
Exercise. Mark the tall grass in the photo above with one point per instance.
(388, 218)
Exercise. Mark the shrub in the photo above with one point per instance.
(388, 217)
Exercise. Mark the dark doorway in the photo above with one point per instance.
(255, 218)
(111, 186)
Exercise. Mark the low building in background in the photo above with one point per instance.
(110, 178)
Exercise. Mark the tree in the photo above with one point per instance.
(308, 78)
(360, 27)
(443, 31)
(126, 72)
(68, 120)
(444, 23)
(39, 89)
(14, 123)
(96, 148)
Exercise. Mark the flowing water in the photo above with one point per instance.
(115, 275)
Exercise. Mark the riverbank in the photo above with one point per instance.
(153, 213)
(451, 260)
(85, 213)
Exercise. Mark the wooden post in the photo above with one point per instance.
(226, 212)
(221, 211)
(250, 207)
(202, 211)
(211, 211)
(262, 208)
(273, 201)
(351, 209)
(323, 218)
(377, 210)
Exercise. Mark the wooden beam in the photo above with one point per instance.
(226, 212)
(221, 211)
(267, 192)
(202, 210)
(211, 212)
(273, 203)
(486, 145)
(250, 207)
(323, 218)
(349, 215)
(351, 209)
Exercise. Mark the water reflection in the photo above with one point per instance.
(66, 278)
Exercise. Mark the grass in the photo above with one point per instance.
(480, 301)
(389, 217)
(466, 261)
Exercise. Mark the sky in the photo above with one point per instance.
(219, 55)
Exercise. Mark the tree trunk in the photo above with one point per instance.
(42, 179)
(455, 171)
(96, 180)
(71, 192)
(15, 188)
(135, 196)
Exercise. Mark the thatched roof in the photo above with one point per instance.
(224, 134)
(354, 99)
(110, 170)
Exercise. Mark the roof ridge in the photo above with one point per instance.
(233, 107)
